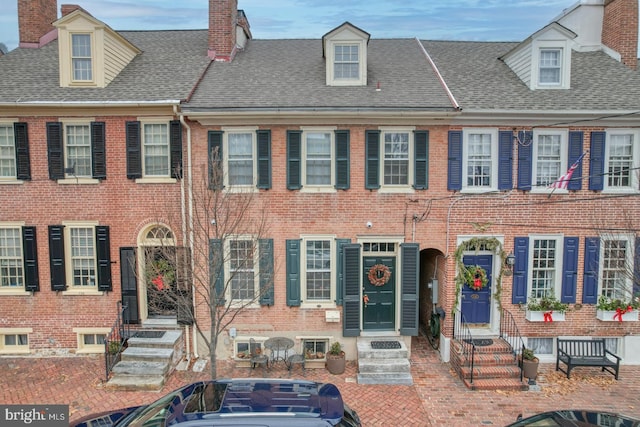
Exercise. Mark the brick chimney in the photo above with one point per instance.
(35, 18)
(620, 29)
(66, 9)
(223, 19)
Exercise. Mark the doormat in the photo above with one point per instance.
(385, 345)
(480, 342)
(148, 334)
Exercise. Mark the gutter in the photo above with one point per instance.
(99, 104)
(442, 82)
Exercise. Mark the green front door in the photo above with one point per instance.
(379, 293)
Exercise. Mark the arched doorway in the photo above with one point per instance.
(432, 273)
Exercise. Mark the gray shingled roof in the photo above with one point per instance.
(480, 81)
(290, 75)
(168, 68)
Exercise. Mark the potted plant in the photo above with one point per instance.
(529, 364)
(609, 309)
(546, 308)
(335, 359)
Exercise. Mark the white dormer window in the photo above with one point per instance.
(81, 60)
(346, 62)
(550, 67)
(345, 52)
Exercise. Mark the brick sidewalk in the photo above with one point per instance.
(438, 397)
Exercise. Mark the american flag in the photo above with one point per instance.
(563, 181)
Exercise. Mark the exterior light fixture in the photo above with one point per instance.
(509, 262)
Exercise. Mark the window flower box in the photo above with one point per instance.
(617, 315)
(548, 316)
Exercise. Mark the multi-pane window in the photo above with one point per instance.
(240, 161)
(548, 161)
(7, 152)
(83, 256)
(156, 149)
(78, 150)
(543, 267)
(315, 348)
(620, 161)
(318, 158)
(616, 280)
(11, 265)
(550, 63)
(479, 160)
(318, 270)
(242, 269)
(396, 158)
(346, 62)
(14, 342)
(81, 57)
(93, 339)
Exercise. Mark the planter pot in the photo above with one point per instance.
(611, 316)
(530, 368)
(336, 364)
(538, 316)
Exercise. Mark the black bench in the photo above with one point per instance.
(575, 352)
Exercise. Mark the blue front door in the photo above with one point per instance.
(476, 305)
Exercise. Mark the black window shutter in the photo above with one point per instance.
(525, 160)
(55, 150)
(184, 285)
(636, 267)
(216, 181)
(264, 158)
(596, 161)
(30, 259)
(103, 252)
(591, 269)
(410, 253)
(266, 271)
(340, 268)
(454, 161)
(570, 270)
(421, 140)
(294, 159)
(175, 148)
(23, 161)
(134, 150)
(505, 160)
(98, 150)
(293, 273)
(520, 270)
(343, 169)
(351, 285)
(216, 269)
(575, 151)
(56, 258)
(372, 160)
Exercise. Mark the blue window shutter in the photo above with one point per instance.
(216, 270)
(293, 273)
(103, 252)
(342, 160)
(30, 259)
(454, 174)
(23, 162)
(575, 151)
(55, 149)
(351, 285)
(134, 150)
(520, 270)
(505, 160)
(570, 270)
(56, 258)
(421, 139)
(596, 161)
(591, 270)
(340, 268)
(636, 268)
(294, 159)
(525, 160)
(410, 253)
(372, 160)
(216, 182)
(175, 148)
(266, 271)
(264, 158)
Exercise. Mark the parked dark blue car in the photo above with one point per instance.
(574, 417)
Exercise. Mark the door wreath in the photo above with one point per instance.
(379, 275)
(476, 277)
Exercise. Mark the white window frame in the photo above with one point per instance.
(15, 349)
(254, 158)
(15, 290)
(557, 279)
(318, 303)
(398, 188)
(346, 38)
(627, 269)
(635, 143)
(228, 273)
(11, 137)
(564, 47)
(563, 166)
(303, 351)
(306, 187)
(466, 134)
(72, 178)
(91, 58)
(97, 347)
(72, 289)
(246, 340)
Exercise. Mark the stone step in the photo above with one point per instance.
(393, 378)
(147, 354)
(366, 352)
(148, 339)
(509, 384)
(511, 371)
(384, 366)
(136, 382)
(140, 368)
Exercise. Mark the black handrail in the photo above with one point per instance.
(462, 334)
(509, 332)
(115, 341)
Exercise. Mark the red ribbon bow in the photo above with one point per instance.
(158, 282)
(548, 316)
(477, 283)
(620, 312)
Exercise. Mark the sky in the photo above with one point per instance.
(473, 20)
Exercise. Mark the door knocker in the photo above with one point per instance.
(365, 299)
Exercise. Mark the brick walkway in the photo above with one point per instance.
(438, 397)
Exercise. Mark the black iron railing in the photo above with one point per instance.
(462, 334)
(509, 332)
(116, 340)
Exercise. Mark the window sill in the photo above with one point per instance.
(318, 305)
(478, 190)
(241, 189)
(74, 292)
(16, 351)
(15, 292)
(11, 182)
(627, 190)
(90, 350)
(549, 191)
(84, 181)
(156, 180)
(327, 189)
(396, 190)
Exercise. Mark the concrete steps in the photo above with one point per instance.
(383, 366)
